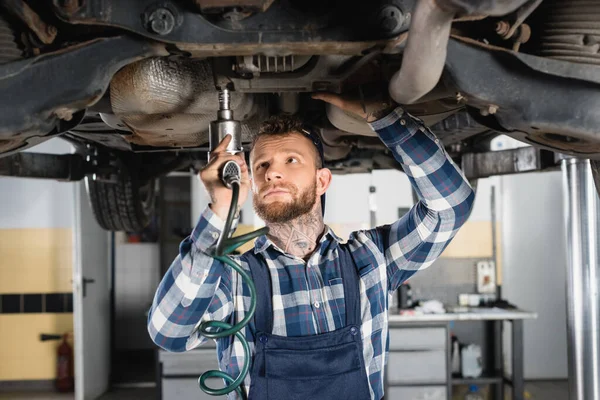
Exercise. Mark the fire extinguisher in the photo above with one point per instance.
(64, 363)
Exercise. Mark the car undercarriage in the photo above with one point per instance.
(132, 85)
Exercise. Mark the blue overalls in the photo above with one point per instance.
(325, 366)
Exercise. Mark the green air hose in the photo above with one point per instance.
(225, 246)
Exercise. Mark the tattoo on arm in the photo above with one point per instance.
(380, 112)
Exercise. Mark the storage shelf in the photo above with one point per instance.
(485, 379)
(416, 384)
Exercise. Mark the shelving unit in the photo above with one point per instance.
(485, 379)
(420, 363)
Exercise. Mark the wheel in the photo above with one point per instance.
(125, 205)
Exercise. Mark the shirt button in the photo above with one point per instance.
(317, 304)
(215, 235)
(263, 339)
(354, 330)
(402, 121)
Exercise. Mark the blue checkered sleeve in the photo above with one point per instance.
(195, 288)
(445, 198)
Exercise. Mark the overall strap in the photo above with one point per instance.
(263, 317)
(350, 280)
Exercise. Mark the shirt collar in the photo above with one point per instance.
(263, 242)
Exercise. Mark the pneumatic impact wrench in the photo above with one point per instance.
(231, 176)
(226, 125)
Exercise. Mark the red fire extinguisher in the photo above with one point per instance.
(64, 363)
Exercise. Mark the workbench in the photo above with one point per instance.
(419, 364)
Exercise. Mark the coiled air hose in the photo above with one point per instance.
(225, 246)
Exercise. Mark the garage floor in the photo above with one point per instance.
(551, 390)
(119, 394)
(543, 390)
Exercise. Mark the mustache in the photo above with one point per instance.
(285, 186)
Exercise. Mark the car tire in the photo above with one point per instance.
(125, 205)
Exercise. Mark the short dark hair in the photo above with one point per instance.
(281, 125)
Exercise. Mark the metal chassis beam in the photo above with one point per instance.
(41, 96)
(349, 27)
(62, 167)
(504, 162)
(91, 161)
(544, 102)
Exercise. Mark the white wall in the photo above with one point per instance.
(348, 199)
(482, 208)
(37, 203)
(137, 272)
(534, 272)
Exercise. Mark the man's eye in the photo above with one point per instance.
(292, 160)
(263, 165)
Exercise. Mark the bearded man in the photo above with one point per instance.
(321, 322)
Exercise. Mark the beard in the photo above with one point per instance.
(284, 211)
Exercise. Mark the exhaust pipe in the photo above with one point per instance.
(425, 53)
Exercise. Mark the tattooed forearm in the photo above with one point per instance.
(378, 111)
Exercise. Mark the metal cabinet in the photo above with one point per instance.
(424, 367)
(180, 373)
(418, 366)
(186, 389)
(417, 393)
(418, 338)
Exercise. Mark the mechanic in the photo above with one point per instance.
(321, 323)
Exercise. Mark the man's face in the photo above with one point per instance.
(285, 180)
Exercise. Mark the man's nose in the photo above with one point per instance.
(273, 173)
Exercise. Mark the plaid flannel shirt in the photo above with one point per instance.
(308, 297)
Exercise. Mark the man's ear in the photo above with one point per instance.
(323, 180)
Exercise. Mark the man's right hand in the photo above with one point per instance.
(210, 175)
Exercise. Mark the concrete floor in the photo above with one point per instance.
(118, 394)
(35, 396)
(542, 390)
(547, 390)
(534, 390)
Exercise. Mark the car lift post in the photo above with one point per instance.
(582, 219)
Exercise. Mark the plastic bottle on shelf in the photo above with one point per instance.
(474, 393)
(455, 356)
(471, 365)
